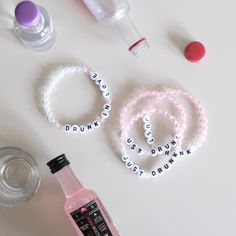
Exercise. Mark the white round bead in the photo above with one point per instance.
(107, 107)
(67, 128)
(56, 124)
(160, 150)
(51, 119)
(89, 127)
(166, 166)
(146, 119)
(154, 173)
(153, 152)
(129, 164)
(106, 94)
(105, 114)
(94, 75)
(167, 146)
(173, 142)
(129, 141)
(175, 154)
(189, 152)
(171, 161)
(82, 129)
(103, 87)
(125, 158)
(147, 126)
(160, 171)
(167, 153)
(98, 81)
(133, 146)
(135, 169)
(139, 151)
(141, 173)
(150, 140)
(148, 134)
(148, 175)
(75, 129)
(96, 124)
(181, 153)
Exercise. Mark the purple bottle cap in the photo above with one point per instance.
(27, 13)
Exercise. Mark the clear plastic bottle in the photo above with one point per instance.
(83, 207)
(115, 13)
(33, 26)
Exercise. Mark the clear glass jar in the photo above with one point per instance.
(33, 26)
(19, 177)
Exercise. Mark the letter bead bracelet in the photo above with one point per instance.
(167, 154)
(55, 78)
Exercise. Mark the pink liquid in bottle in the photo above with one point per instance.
(83, 207)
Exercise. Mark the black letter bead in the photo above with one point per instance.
(154, 173)
(167, 153)
(166, 166)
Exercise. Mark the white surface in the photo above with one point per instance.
(198, 196)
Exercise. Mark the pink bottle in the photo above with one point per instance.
(83, 207)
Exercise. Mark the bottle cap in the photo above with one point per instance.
(195, 51)
(27, 13)
(58, 163)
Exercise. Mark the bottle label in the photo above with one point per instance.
(90, 220)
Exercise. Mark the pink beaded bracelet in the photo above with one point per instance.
(169, 152)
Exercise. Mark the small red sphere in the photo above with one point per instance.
(195, 51)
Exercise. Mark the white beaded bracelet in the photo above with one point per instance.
(57, 76)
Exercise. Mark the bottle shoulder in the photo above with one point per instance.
(79, 199)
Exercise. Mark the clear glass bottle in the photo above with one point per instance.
(19, 177)
(115, 13)
(33, 26)
(83, 207)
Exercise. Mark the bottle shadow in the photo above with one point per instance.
(89, 24)
(7, 19)
(179, 38)
(43, 214)
(179, 41)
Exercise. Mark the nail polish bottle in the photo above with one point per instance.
(83, 207)
(115, 13)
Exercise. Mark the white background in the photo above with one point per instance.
(198, 196)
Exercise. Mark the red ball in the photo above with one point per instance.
(195, 51)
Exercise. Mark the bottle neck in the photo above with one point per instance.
(68, 181)
(128, 32)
